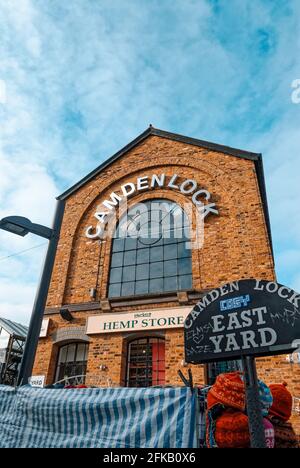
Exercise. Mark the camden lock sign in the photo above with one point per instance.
(243, 318)
(150, 182)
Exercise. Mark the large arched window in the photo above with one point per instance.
(72, 361)
(150, 251)
(146, 362)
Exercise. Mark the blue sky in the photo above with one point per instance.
(80, 79)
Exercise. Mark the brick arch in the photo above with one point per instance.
(173, 162)
(205, 167)
(214, 175)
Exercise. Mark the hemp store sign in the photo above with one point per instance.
(200, 197)
(243, 318)
(139, 321)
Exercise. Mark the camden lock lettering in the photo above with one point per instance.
(247, 317)
(187, 187)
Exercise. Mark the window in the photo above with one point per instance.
(150, 251)
(216, 368)
(72, 361)
(146, 362)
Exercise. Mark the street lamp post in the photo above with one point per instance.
(22, 226)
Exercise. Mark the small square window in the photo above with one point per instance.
(170, 284)
(156, 285)
(168, 239)
(142, 271)
(170, 252)
(115, 275)
(114, 290)
(143, 255)
(129, 257)
(170, 268)
(117, 259)
(130, 243)
(178, 234)
(183, 251)
(118, 245)
(185, 282)
(142, 287)
(156, 270)
(184, 266)
(129, 273)
(128, 289)
(156, 254)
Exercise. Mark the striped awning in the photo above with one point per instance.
(98, 417)
(13, 328)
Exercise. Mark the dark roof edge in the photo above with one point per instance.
(263, 193)
(162, 133)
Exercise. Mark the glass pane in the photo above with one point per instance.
(117, 259)
(156, 285)
(115, 290)
(118, 245)
(141, 287)
(129, 273)
(170, 251)
(185, 282)
(170, 268)
(184, 266)
(142, 271)
(128, 289)
(143, 255)
(156, 270)
(71, 353)
(130, 243)
(156, 254)
(80, 355)
(178, 234)
(115, 275)
(170, 284)
(130, 257)
(183, 251)
(62, 354)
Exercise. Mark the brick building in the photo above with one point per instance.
(116, 305)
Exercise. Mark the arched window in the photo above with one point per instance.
(150, 251)
(72, 361)
(145, 362)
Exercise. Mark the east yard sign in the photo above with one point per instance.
(243, 318)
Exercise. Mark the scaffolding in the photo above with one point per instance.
(12, 342)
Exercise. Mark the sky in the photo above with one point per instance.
(80, 79)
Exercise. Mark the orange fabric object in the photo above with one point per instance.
(228, 390)
(282, 402)
(232, 430)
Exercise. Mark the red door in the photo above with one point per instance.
(158, 363)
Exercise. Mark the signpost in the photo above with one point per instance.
(244, 319)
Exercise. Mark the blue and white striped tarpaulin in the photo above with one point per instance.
(98, 417)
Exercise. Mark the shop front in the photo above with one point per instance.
(143, 238)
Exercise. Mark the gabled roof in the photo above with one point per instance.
(161, 133)
(13, 328)
(256, 157)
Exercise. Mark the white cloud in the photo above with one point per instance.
(16, 300)
(81, 79)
